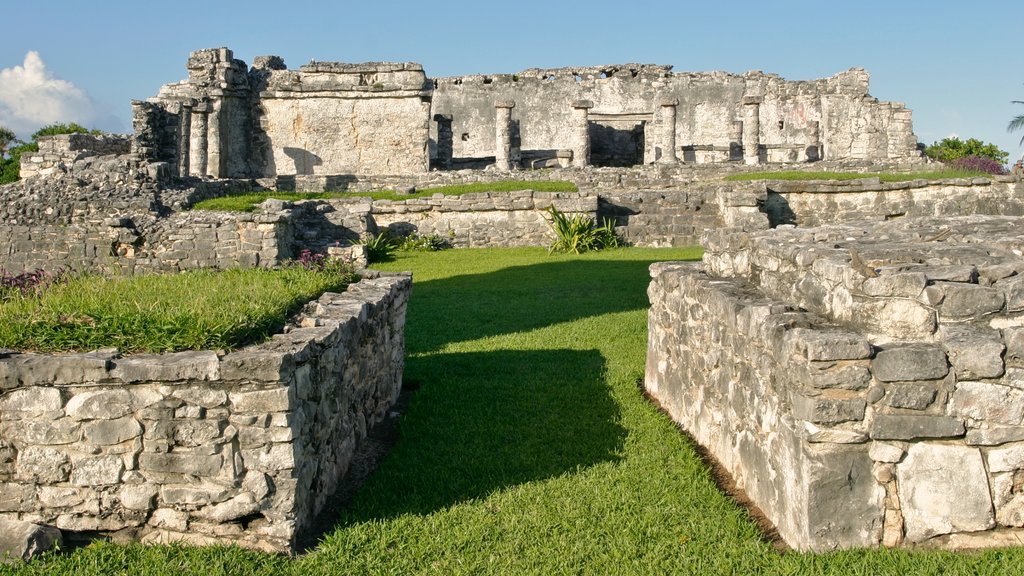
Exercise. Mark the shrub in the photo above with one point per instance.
(379, 248)
(429, 243)
(978, 164)
(577, 233)
(949, 149)
(29, 284)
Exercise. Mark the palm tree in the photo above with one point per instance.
(1017, 123)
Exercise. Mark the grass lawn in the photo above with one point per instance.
(884, 177)
(529, 449)
(247, 202)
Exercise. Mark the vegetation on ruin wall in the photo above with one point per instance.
(884, 177)
(529, 449)
(11, 148)
(161, 313)
(248, 202)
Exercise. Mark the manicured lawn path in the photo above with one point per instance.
(529, 449)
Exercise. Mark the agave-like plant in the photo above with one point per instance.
(576, 233)
(379, 248)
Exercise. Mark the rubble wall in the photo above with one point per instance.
(861, 382)
(202, 447)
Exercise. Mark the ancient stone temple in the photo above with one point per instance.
(228, 120)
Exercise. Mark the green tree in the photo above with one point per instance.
(10, 167)
(1017, 123)
(6, 138)
(949, 149)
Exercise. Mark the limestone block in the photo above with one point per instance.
(824, 410)
(96, 470)
(45, 432)
(827, 345)
(994, 435)
(974, 354)
(195, 365)
(267, 366)
(23, 541)
(181, 463)
(1013, 337)
(107, 432)
(31, 402)
(169, 518)
(263, 401)
(63, 497)
(200, 494)
(897, 317)
(36, 369)
(824, 375)
(943, 489)
(987, 402)
(885, 452)
(241, 505)
(42, 465)
(903, 285)
(138, 497)
(962, 300)
(18, 497)
(1013, 289)
(912, 396)
(100, 404)
(913, 426)
(911, 362)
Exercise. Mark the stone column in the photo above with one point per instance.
(581, 133)
(214, 162)
(185, 138)
(503, 134)
(200, 126)
(667, 119)
(751, 130)
(736, 141)
(445, 141)
(813, 150)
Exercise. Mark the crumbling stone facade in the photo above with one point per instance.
(329, 118)
(635, 114)
(860, 382)
(202, 447)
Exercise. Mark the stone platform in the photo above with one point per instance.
(864, 383)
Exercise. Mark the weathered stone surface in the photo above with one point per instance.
(241, 505)
(912, 396)
(107, 432)
(975, 354)
(96, 470)
(885, 452)
(18, 497)
(263, 401)
(907, 363)
(43, 465)
(949, 491)
(23, 541)
(100, 405)
(259, 365)
(138, 497)
(196, 365)
(183, 463)
(989, 402)
(822, 410)
(31, 403)
(995, 435)
(202, 396)
(830, 345)
(962, 300)
(912, 426)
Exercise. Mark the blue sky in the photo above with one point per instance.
(954, 64)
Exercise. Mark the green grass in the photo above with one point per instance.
(247, 202)
(884, 177)
(529, 449)
(188, 311)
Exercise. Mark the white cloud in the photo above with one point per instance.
(31, 97)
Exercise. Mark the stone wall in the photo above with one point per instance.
(63, 151)
(829, 202)
(861, 382)
(202, 447)
(716, 116)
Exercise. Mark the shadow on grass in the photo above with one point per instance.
(521, 298)
(489, 420)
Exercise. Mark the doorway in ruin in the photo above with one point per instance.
(617, 139)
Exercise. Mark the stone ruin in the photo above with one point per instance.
(858, 376)
(329, 118)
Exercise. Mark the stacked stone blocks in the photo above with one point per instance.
(863, 384)
(202, 447)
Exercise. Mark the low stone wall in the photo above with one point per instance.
(829, 202)
(202, 447)
(64, 150)
(483, 219)
(861, 383)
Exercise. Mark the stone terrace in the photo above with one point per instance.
(863, 383)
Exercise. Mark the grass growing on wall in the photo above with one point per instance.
(247, 202)
(884, 177)
(528, 448)
(158, 313)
